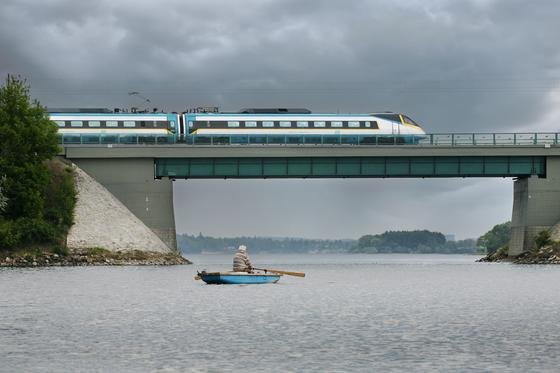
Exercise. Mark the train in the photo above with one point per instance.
(204, 123)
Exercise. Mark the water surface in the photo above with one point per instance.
(351, 313)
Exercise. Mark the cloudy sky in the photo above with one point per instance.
(453, 66)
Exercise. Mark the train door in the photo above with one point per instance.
(396, 128)
(181, 127)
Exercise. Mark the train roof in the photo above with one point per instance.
(273, 111)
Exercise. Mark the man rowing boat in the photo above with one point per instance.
(241, 262)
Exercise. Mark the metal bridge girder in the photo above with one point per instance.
(333, 167)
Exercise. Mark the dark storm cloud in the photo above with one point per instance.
(457, 66)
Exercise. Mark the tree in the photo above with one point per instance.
(27, 138)
(495, 238)
(419, 241)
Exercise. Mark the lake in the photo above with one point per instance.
(351, 313)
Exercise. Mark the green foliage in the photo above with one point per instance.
(419, 241)
(37, 196)
(97, 251)
(495, 238)
(9, 237)
(60, 198)
(61, 250)
(502, 252)
(34, 230)
(543, 239)
(401, 241)
(27, 139)
(3, 198)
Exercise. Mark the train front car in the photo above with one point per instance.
(103, 126)
(402, 127)
(300, 126)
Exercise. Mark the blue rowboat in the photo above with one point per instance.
(239, 277)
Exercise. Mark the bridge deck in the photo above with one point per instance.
(436, 155)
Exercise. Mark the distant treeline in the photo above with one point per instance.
(420, 242)
(198, 244)
(388, 242)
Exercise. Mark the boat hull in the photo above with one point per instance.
(239, 278)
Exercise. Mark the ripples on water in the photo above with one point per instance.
(351, 313)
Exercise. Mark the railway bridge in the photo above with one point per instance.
(140, 173)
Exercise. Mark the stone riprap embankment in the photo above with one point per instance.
(101, 220)
(548, 254)
(545, 255)
(88, 257)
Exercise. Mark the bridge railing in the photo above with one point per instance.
(490, 139)
(444, 139)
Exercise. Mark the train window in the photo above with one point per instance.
(353, 124)
(76, 123)
(233, 124)
(319, 124)
(129, 123)
(94, 123)
(112, 123)
(250, 124)
(268, 124)
(336, 124)
(302, 124)
(285, 124)
(60, 123)
(368, 124)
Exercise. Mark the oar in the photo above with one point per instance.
(298, 274)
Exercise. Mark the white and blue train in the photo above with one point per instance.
(246, 122)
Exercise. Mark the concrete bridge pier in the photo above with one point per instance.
(536, 207)
(131, 181)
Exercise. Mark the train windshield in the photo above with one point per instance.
(407, 120)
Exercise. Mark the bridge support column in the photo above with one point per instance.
(536, 207)
(131, 181)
